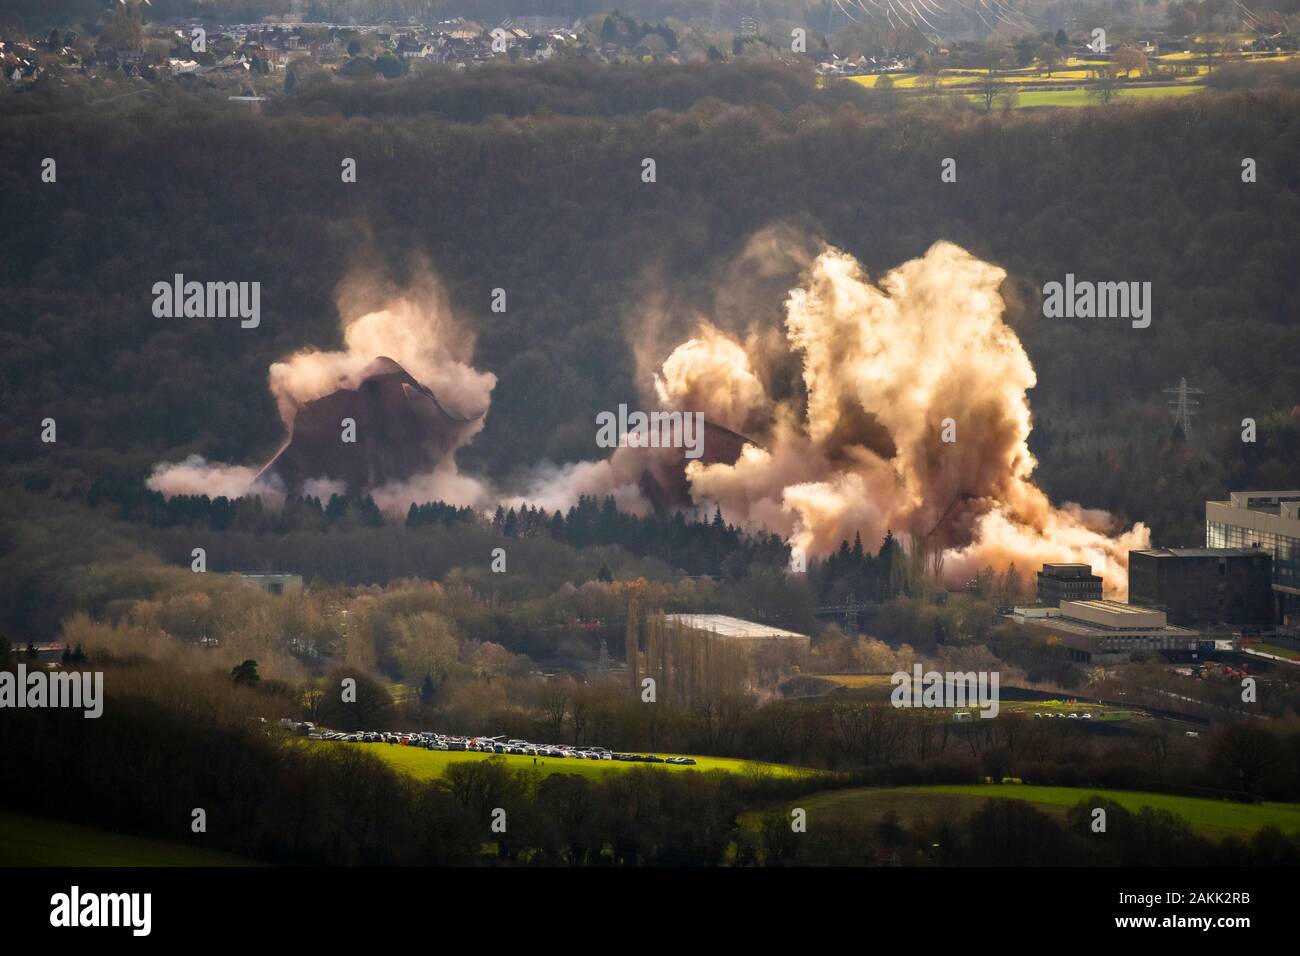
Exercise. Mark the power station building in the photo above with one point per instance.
(1110, 631)
(1270, 522)
(1067, 582)
(1201, 587)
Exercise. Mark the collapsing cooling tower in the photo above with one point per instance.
(402, 430)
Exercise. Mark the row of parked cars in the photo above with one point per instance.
(497, 745)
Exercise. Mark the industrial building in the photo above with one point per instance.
(1202, 587)
(1269, 521)
(1067, 582)
(738, 632)
(1111, 631)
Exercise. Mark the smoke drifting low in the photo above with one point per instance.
(198, 476)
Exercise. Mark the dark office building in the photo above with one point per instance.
(1200, 586)
(1067, 582)
(1269, 520)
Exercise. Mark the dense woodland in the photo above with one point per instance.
(552, 208)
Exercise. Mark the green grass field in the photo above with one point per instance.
(959, 81)
(1079, 97)
(1192, 69)
(1277, 650)
(876, 682)
(878, 687)
(431, 764)
(1061, 709)
(1212, 818)
(1079, 73)
(38, 841)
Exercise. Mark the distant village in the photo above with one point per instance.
(219, 56)
(154, 51)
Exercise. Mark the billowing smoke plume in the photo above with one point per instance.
(416, 328)
(711, 373)
(889, 370)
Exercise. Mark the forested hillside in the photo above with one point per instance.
(482, 178)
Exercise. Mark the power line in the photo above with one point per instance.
(1184, 407)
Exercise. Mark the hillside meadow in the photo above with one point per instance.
(27, 840)
(1208, 817)
(432, 764)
